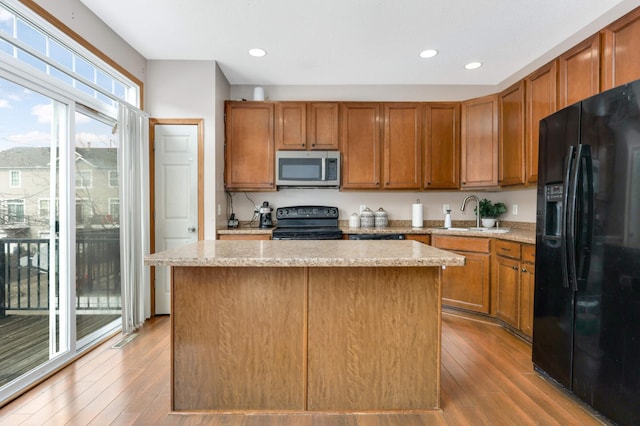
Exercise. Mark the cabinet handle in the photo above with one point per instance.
(515, 268)
(505, 249)
(524, 269)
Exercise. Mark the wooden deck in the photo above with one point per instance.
(25, 341)
(487, 379)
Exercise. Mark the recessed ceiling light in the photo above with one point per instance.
(473, 65)
(258, 53)
(429, 53)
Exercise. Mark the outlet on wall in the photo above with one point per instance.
(445, 207)
(514, 209)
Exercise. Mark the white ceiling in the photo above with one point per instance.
(372, 42)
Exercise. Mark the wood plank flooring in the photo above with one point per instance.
(487, 379)
(25, 341)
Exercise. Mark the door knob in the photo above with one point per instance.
(191, 229)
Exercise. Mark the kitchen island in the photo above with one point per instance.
(305, 326)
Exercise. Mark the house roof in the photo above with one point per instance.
(40, 157)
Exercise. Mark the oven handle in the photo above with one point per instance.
(324, 170)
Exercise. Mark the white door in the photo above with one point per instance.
(176, 197)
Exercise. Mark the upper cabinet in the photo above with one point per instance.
(323, 130)
(301, 125)
(291, 125)
(479, 143)
(360, 145)
(249, 146)
(512, 135)
(402, 144)
(579, 72)
(441, 153)
(621, 51)
(540, 102)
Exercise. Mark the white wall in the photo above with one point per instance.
(75, 15)
(365, 93)
(397, 204)
(186, 89)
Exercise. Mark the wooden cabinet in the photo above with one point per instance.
(441, 153)
(621, 51)
(291, 125)
(402, 146)
(540, 102)
(301, 125)
(513, 284)
(244, 236)
(422, 238)
(466, 287)
(479, 143)
(579, 72)
(360, 145)
(512, 135)
(527, 287)
(506, 289)
(249, 146)
(323, 128)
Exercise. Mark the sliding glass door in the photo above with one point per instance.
(34, 308)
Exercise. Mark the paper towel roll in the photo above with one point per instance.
(416, 216)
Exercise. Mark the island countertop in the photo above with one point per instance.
(299, 253)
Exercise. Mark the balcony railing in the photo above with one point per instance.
(25, 280)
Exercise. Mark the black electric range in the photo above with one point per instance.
(307, 223)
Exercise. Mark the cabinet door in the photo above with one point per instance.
(422, 238)
(291, 125)
(441, 154)
(527, 282)
(402, 146)
(244, 237)
(579, 72)
(323, 125)
(508, 290)
(467, 286)
(511, 135)
(479, 144)
(249, 146)
(621, 43)
(540, 102)
(360, 145)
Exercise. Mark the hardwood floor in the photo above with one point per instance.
(487, 379)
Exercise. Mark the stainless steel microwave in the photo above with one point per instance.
(308, 168)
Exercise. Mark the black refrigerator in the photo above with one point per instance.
(586, 327)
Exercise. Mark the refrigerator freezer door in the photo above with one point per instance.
(553, 301)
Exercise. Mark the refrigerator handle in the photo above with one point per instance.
(564, 243)
(583, 258)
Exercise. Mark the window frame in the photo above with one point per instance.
(11, 179)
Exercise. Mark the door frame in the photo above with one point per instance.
(152, 190)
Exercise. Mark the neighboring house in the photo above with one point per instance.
(25, 199)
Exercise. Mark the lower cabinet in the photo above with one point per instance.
(513, 284)
(422, 238)
(244, 236)
(466, 287)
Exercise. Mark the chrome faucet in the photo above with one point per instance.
(464, 203)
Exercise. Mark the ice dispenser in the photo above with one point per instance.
(553, 211)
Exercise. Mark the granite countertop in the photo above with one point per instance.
(518, 232)
(287, 253)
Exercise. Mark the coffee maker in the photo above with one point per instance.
(265, 215)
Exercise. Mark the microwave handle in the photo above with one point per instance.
(324, 170)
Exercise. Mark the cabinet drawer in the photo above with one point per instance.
(529, 253)
(478, 245)
(424, 239)
(508, 249)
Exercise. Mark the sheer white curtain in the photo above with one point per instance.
(133, 133)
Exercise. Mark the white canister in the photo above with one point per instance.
(258, 94)
(366, 218)
(381, 218)
(354, 220)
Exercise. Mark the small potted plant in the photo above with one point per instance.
(489, 212)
